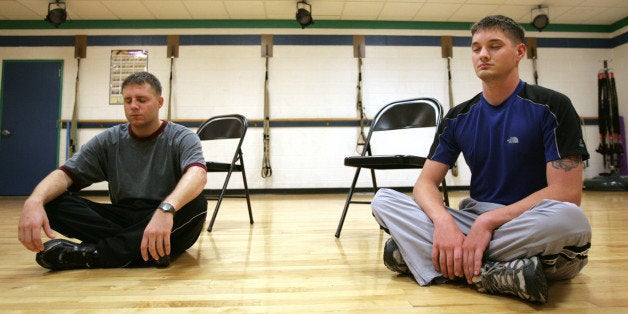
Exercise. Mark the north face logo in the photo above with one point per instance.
(512, 140)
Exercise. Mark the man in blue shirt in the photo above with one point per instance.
(521, 225)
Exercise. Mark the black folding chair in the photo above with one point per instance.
(221, 128)
(405, 114)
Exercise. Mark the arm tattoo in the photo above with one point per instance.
(567, 163)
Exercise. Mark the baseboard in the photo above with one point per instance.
(290, 191)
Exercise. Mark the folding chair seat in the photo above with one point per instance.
(219, 128)
(400, 115)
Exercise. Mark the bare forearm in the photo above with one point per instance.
(33, 218)
(430, 200)
(53, 185)
(427, 194)
(189, 187)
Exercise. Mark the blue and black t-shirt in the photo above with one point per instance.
(507, 147)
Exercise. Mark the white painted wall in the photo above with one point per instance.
(319, 82)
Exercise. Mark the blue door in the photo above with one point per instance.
(29, 110)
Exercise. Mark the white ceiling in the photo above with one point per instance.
(602, 12)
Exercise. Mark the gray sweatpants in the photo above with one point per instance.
(558, 232)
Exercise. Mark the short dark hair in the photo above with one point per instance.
(507, 25)
(140, 78)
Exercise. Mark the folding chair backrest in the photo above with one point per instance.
(223, 127)
(226, 132)
(406, 114)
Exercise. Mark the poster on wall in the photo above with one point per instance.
(124, 63)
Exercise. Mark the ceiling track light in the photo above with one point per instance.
(57, 15)
(304, 14)
(540, 17)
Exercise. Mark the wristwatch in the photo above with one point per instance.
(166, 208)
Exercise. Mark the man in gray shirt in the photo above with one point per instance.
(155, 171)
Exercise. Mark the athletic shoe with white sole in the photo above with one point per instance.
(523, 278)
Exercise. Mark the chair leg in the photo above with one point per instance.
(246, 193)
(222, 194)
(374, 180)
(346, 208)
(445, 193)
(211, 222)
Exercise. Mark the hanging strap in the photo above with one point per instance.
(449, 84)
(532, 54)
(447, 51)
(172, 52)
(74, 123)
(170, 90)
(615, 114)
(454, 168)
(608, 120)
(80, 51)
(267, 171)
(536, 73)
(616, 145)
(360, 109)
(359, 52)
(602, 117)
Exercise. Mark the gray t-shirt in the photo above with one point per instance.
(136, 168)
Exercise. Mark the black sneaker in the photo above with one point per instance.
(393, 259)
(61, 254)
(523, 278)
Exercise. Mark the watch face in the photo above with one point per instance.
(167, 208)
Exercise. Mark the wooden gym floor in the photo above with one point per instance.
(290, 261)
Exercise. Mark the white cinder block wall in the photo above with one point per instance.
(319, 82)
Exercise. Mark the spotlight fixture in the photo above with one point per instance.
(56, 16)
(540, 17)
(304, 16)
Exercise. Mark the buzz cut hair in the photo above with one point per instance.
(512, 29)
(141, 78)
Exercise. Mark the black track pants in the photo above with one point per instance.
(117, 230)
